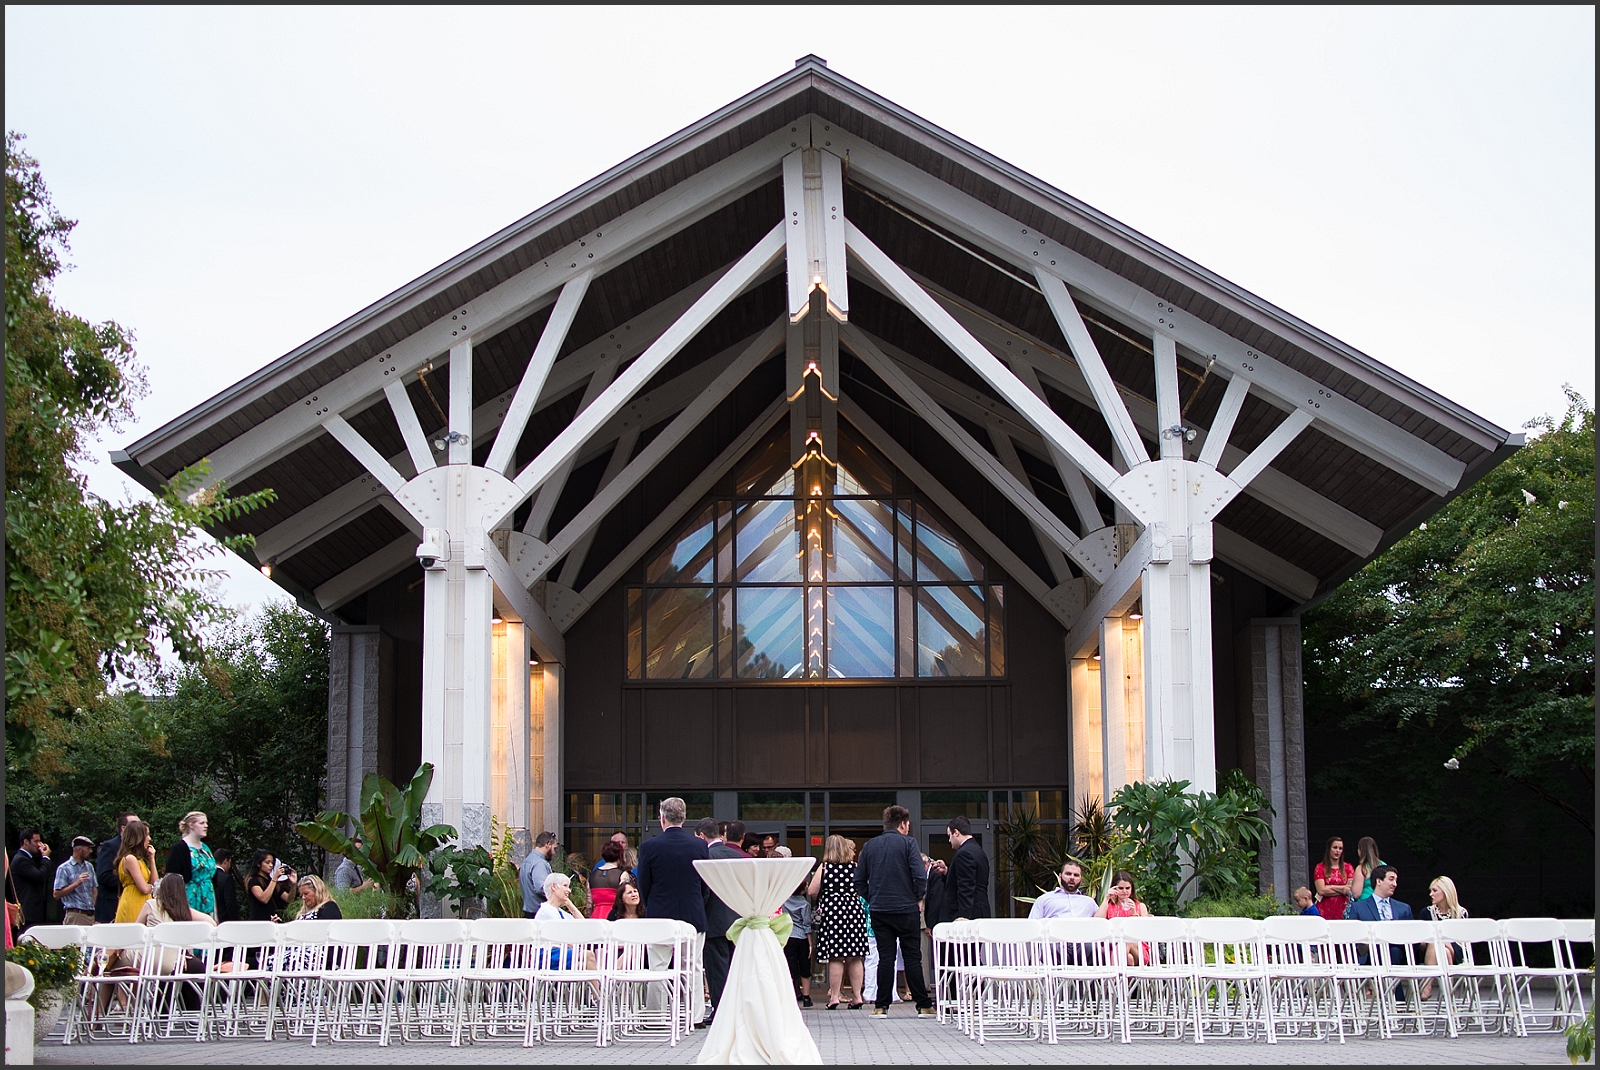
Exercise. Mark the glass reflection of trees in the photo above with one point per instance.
(814, 573)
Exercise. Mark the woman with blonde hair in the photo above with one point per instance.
(1443, 905)
(316, 902)
(192, 860)
(136, 870)
(838, 923)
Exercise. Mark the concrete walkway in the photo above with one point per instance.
(842, 1037)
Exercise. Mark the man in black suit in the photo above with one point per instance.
(719, 916)
(32, 873)
(105, 873)
(967, 888)
(669, 884)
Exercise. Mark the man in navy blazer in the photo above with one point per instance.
(668, 882)
(1382, 906)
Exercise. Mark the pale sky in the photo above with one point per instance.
(1416, 182)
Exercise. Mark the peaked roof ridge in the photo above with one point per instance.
(811, 72)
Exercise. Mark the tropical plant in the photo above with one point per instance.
(397, 846)
(52, 969)
(1091, 829)
(1217, 836)
(504, 899)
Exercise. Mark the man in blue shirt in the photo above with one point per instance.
(535, 868)
(75, 885)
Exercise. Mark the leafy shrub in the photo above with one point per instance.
(1236, 906)
(52, 970)
(372, 903)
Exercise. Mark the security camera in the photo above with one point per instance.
(435, 547)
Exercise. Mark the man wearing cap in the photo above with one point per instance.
(75, 884)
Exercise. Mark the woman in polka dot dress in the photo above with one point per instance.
(839, 924)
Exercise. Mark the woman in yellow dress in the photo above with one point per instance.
(136, 869)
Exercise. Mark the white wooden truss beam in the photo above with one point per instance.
(813, 217)
(522, 295)
(544, 356)
(620, 457)
(996, 374)
(687, 499)
(748, 357)
(1124, 435)
(544, 502)
(1270, 486)
(1113, 599)
(405, 414)
(663, 349)
(1038, 514)
(1006, 451)
(959, 514)
(999, 235)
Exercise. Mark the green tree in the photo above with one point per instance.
(241, 735)
(92, 588)
(1459, 665)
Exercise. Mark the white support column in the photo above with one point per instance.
(1088, 744)
(551, 709)
(1113, 707)
(436, 590)
(460, 430)
(508, 762)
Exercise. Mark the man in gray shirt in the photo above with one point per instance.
(535, 868)
(348, 876)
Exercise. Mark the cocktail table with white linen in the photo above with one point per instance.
(757, 1021)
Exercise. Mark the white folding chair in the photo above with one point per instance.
(55, 937)
(1009, 986)
(429, 956)
(238, 981)
(963, 955)
(171, 997)
(357, 985)
(1230, 977)
(1355, 973)
(689, 962)
(569, 971)
(1302, 991)
(642, 1003)
(1158, 989)
(1469, 1009)
(496, 997)
(1530, 944)
(1402, 971)
(105, 1004)
(296, 965)
(1084, 974)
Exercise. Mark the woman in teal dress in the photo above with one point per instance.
(191, 859)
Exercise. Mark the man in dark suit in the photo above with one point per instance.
(669, 884)
(1382, 906)
(719, 949)
(32, 873)
(967, 887)
(105, 873)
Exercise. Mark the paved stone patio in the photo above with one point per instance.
(842, 1037)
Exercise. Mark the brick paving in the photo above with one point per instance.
(845, 1037)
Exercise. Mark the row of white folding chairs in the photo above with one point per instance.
(370, 979)
(1284, 977)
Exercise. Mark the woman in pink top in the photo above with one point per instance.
(1123, 902)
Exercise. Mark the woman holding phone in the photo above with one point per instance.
(270, 886)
